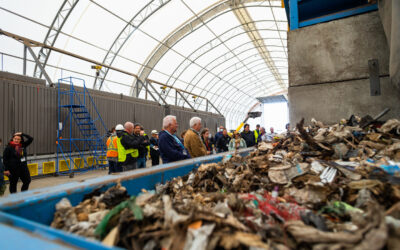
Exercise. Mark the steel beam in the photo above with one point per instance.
(210, 45)
(213, 85)
(32, 43)
(187, 61)
(154, 89)
(233, 7)
(181, 32)
(24, 66)
(190, 105)
(138, 19)
(39, 64)
(52, 34)
(220, 78)
(248, 24)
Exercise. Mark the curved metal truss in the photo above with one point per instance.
(233, 69)
(235, 117)
(212, 12)
(248, 24)
(148, 10)
(236, 104)
(237, 96)
(209, 46)
(219, 77)
(225, 61)
(52, 34)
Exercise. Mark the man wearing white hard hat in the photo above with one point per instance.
(128, 147)
(154, 152)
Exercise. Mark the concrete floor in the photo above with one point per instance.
(53, 181)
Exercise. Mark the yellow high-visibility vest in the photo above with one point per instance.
(148, 147)
(256, 134)
(122, 152)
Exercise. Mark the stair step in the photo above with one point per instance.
(81, 112)
(74, 106)
(86, 123)
(82, 118)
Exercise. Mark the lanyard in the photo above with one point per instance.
(176, 139)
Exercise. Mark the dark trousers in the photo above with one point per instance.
(20, 172)
(129, 166)
(118, 167)
(155, 159)
(114, 167)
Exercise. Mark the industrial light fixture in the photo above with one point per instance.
(163, 88)
(97, 68)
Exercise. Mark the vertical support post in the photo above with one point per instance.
(294, 14)
(137, 87)
(59, 128)
(147, 89)
(206, 105)
(176, 97)
(24, 67)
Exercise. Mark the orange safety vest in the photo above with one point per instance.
(112, 150)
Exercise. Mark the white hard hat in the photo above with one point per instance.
(154, 132)
(119, 127)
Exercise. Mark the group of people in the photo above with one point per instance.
(196, 142)
(129, 146)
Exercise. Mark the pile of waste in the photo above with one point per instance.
(319, 187)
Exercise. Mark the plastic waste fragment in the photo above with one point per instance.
(197, 239)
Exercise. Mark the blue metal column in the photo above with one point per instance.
(294, 14)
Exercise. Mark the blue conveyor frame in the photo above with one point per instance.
(33, 210)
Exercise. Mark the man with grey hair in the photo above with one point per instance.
(171, 148)
(128, 147)
(193, 141)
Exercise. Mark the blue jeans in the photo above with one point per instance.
(141, 162)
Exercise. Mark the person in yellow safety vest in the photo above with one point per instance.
(139, 132)
(112, 151)
(128, 147)
(257, 132)
(147, 137)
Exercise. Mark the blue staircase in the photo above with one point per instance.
(85, 133)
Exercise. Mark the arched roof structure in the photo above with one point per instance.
(228, 51)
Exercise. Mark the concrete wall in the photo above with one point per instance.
(328, 70)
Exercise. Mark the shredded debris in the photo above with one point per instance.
(321, 187)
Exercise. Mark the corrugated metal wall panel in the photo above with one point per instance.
(32, 108)
(149, 116)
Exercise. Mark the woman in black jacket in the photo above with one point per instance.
(14, 159)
